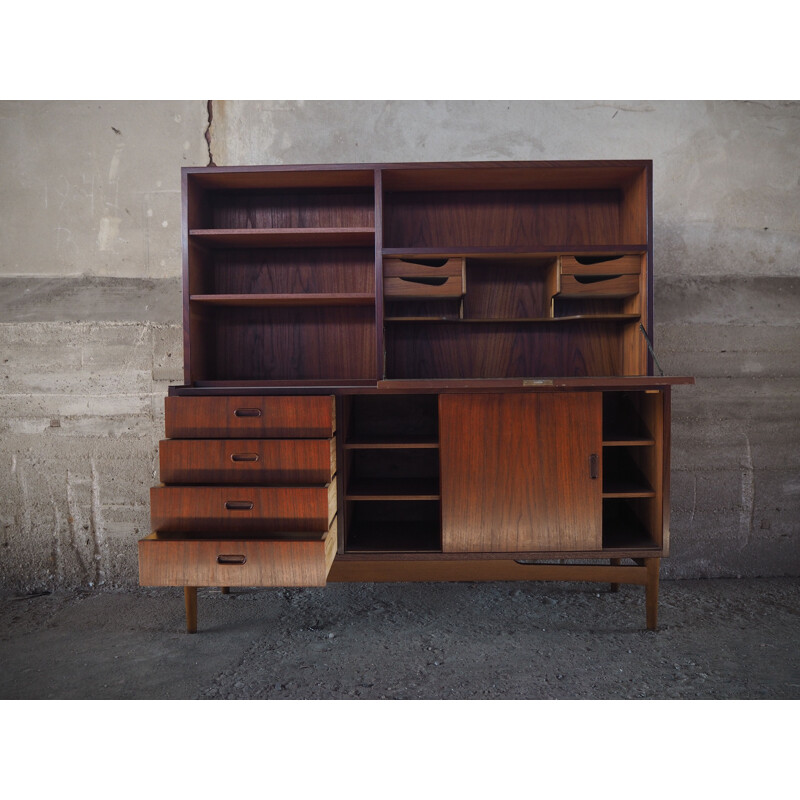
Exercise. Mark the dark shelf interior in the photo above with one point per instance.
(622, 528)
(622, 475)
(623, 418)
(395, 527)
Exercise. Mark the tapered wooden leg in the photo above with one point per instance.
(190, 598)
(615, 562)
(653, 566)
(225, 589)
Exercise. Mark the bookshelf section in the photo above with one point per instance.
(280, 278)
(391, 456)
(632, 469)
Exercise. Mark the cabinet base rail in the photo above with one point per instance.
(642, 572)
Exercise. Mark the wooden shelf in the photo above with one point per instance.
(541, 251)
(321, 299)
(391, 443)
(284, 237)
(520, 320)
(392, 489)
(619, 440)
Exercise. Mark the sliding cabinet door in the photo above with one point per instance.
(521, 472)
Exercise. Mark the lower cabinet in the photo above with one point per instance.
(435, 485)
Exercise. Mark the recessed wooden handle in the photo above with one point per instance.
(244, 457)
(232, 559)
(247, 412)
(593, 462)
(239, 505)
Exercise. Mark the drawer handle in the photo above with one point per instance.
(244, 457)
(589, 279)
(247, 412)
(593, 464)
(239, 505)
(232, 559)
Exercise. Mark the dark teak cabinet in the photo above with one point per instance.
(399, 372)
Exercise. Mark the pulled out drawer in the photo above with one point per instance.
(282, 462)
(242, 509)
(250, 417)
(191, 560)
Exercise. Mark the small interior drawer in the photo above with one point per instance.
(417, 288)
(598, 285)
(412, 278)
(601, 265)
(242, 509)
(309, 416)
(281, 462)
(282, 560)
(423, 268)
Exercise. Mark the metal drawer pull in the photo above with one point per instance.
(239, 505)
(244, 457)
(232, 559)
(247, 412)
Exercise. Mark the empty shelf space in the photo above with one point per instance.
(318, 299)
(283, 237)
(393, 537)
(399, 489)
(622, 529)
(392, 443)
(622, 476)
(393, 527)
(624, 417)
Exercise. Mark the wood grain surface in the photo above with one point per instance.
(306, 416)
(515, 472)
(278, 462)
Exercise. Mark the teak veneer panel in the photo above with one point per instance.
(253, 417)
(517, 472)
(230, 461)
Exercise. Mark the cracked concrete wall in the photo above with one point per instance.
(90, 337)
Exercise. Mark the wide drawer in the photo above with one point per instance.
(242, 509)
(251, 417)
(167, 560)
(235, 461)
(586, 286)
(601, 265)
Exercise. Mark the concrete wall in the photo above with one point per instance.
(90, 300)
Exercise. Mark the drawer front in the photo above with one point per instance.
(587, 286)
(256, 417)
(421, 288)
(423, 279)
(423, 268)
(166, 560)
(242, 509)
(601, 265)
(281, 462)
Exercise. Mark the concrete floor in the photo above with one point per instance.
(717, 639)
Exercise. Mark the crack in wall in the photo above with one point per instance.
(210, 110)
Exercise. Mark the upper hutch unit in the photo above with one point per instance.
(415, 372)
